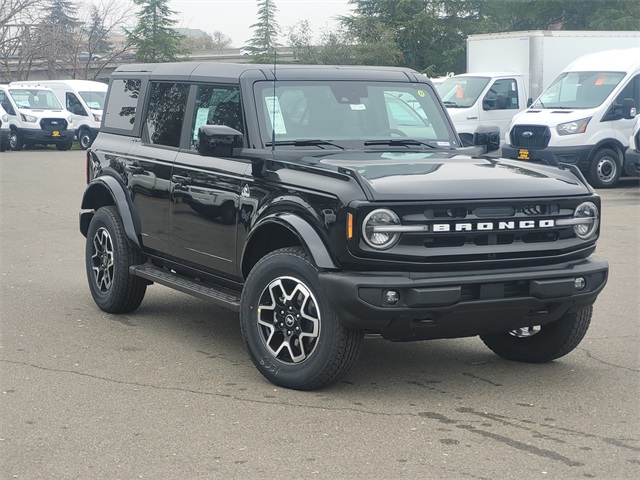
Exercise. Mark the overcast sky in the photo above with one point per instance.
(234, 17)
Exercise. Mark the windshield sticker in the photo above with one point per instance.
(443, 144)
(357, 106)
(201, 119)
(275, 115)
(420, 93)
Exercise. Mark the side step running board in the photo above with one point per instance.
(187, 285)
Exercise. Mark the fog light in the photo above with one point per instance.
(392, 297)
(579, 283)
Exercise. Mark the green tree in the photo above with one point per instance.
(262, 45)
(56, 37)
(153, 37)
(431, 34)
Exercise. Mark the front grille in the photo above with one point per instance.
(483, 232)
(530, 136)
(51, 124)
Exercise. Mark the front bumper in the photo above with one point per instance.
(632, 162)
(37, 135)
(575, 155)
(437, 305)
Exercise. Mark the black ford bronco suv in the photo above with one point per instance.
(323, 203)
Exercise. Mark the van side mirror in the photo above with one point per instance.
(529, 102)
(218, 140)
(629, 108)
(487, 136)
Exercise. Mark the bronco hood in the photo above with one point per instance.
(447, 176)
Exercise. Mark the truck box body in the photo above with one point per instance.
(540, 55)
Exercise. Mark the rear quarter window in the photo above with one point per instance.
(123, 104)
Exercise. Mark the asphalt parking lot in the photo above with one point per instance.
(169, 392)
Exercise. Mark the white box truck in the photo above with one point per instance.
(521, 65)
(584, 118)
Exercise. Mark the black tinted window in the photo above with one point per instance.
(216, 105)
(167, 104)
(123, 101)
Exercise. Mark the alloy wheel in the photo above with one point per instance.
(288, 320)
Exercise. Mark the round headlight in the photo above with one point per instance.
(589, 218)
(378, 229)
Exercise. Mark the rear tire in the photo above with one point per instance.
(549, 342)
(293, 336)
(108, 256)
(605, 169)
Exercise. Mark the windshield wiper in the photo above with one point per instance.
(302, 142)
(401, 142)
(451, 104)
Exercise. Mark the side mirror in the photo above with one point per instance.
(218, 140)
(529, 102)
(79, 110)
(629, 108)
(487, 136)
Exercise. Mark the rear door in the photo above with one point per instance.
(149, 162)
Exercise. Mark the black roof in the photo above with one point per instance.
(214, 71)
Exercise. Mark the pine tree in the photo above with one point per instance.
(153, 37)
(264, 41)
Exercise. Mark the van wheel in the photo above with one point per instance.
(108, 257)
(605, 169)
(15, 141)
(542, 343)
(293, 335)
(63, 147)
(85, 138)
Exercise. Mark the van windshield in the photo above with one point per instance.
(94, 100)
(35, 99)
(461, 92)
(579, 90)
(350, 113)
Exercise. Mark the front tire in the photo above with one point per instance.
(108, 257)
(63, 147)
(544, 343)
(85, 139)
(605, 169)
(292, 334)
(15, 141)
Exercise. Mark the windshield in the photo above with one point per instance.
(461, 92)
(579, 90)
(94, 100)
(35, 99)
(347, 114)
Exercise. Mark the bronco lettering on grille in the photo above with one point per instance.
(488, 226)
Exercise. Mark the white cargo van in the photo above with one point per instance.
(474, 99)
(84, 99)
(583, 118)
(4, 130)
(36, 117)
(632, 155)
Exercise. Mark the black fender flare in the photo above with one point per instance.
(106, 190)
(305, 232)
